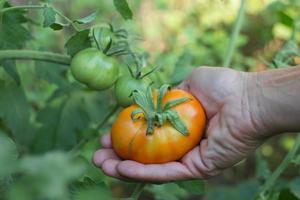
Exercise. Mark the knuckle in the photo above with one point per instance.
(208, 170)
(201, 169)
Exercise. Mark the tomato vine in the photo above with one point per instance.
(35, 55)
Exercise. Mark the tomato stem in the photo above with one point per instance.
(234, 35)
(283, 165)
(154, 69)
(35, 55)
(137, 191)
(26, 7)
(108, 46)
(104, 121)
(96, 41)
(131, 72)
(139, 62)
(158, 114)
(108, 116)
(67, 19)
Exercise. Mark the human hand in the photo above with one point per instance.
(231, 134)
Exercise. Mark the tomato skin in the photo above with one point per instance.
(124, 87)
(93, 68)
(166, 144)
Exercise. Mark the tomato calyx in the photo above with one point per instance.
(157, 115)
(139, 64)
(138, 74)
(109, 41)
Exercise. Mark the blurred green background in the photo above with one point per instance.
(48, 120)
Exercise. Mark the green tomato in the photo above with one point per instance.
(124, 87)
(95, 69)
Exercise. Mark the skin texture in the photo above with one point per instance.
(166, 144)
(243, 110)
(93, 68)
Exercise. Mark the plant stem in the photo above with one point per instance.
(283, 165)
(137, 191)
(108, 116)
(235, 33)
(35, 55)
(67, 19)
(22, 8)
(40, 7)
(85, 140)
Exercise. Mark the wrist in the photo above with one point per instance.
(274, 97)
(258, 114)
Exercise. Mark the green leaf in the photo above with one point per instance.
(285, 56)
(67, 117)
(285, 19)
(53, 73)
(46, 176)
(87, 19)
(12, 34)
(8, 156)
(297, 160)
(17, 16)
(63, 119)
(123, 8)
(294, 186)
(244, 191)
(169, 191)
(55, 166)
(262, 168)
(286, 194)
(183, 67)
(196, 187)
(10, 67)
(85, 154)
(56, 26)
(2, 2)
(97, 105)
(93, 193)
(78, 42)
(14, 111)
(49, 16)
(88, 189)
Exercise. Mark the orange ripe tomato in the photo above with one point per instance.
(131, 141)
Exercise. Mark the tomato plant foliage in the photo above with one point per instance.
(50, 122)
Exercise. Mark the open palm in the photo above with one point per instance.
(231, 132)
